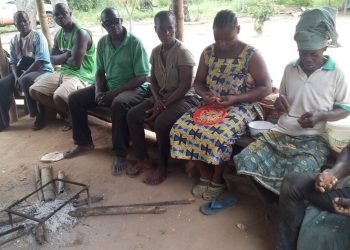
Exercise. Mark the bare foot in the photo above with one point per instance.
(139, 167)
(156, 177)
(119, 165)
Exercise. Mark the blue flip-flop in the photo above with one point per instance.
(218, 204)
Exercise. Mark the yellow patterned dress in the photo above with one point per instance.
(213, 143)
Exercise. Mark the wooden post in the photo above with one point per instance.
(37, 182)
(46, 176)
(43, 22)
(178, 6)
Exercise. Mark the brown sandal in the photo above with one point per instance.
(201, 187)
(214, 190)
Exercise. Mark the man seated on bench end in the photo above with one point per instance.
(74, 50)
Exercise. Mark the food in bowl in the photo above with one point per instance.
(257, 127)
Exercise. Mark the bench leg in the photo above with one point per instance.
(13, 112)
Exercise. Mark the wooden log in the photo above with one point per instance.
(37, 182)
(60, 184)
(114, 210)
(46, 176)
(79, 203)
(40, 233)
(13, 111)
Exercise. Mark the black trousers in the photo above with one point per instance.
(7, 88)
(81, 100)
(162, 126)
(298, 190)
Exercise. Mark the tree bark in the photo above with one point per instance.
(179, 14)
(43, 22)
(28, 6)
(54, 2)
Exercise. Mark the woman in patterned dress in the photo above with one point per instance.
(222, 80)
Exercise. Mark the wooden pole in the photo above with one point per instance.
(43, 22)
(179, 14)
(46, 176)
(115, 210)
(37, 182)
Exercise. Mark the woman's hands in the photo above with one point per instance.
(158, 107)
(282, 104)
(210, 98)
(223, 101)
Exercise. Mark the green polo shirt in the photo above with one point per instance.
(124, 63)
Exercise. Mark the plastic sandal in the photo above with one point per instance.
(214, 190)
(218, 204)
(201, 187)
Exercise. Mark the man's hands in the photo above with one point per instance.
(342, 206)
(309, 119)
(106, 98)
(325, 181)
(282, 104)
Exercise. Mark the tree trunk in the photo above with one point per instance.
(345, 7)
(54, 2)
(43, 22)
(28, 6)
(179, 14)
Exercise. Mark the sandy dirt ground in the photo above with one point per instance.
(181, 227)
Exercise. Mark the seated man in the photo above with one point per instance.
(74, 50)
(29, 58)
(320, 190)
(122, 68)
(310, 87)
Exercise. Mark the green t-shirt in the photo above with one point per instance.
(124, 63)
(87, 70)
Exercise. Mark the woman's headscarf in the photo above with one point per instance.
(315, 28)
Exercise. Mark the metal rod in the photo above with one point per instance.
(294, 116)
(12, 230)
(42, 220)
(65, 203)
